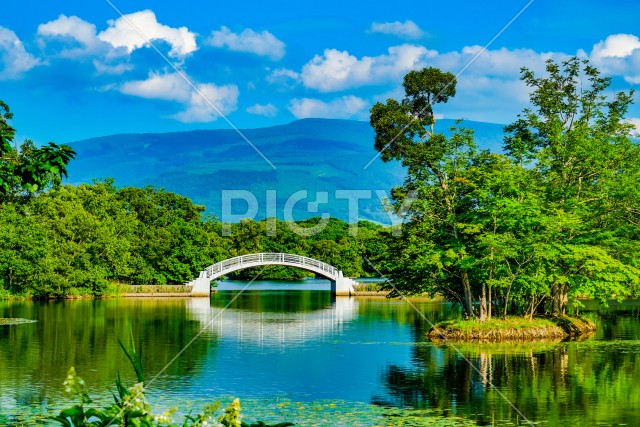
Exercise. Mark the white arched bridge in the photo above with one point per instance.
(340, 285)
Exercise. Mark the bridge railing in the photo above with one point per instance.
(265, 258)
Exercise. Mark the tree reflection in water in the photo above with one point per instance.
(561, 383)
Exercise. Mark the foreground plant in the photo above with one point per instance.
(131, 409)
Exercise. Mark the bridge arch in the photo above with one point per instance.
(340, 285)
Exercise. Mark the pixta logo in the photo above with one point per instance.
(243, 204)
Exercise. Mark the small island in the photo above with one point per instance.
(512, 329)
(14, 321)
(514, 238)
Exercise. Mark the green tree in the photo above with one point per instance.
(554, 219)
(433, 256)
(23, 246)
(88, 236)
(579, 141)
(170, 243)
(400, 125)
(28, 168)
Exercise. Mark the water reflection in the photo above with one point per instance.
(34, 358)
(307, 346)
(593, 382)
(287, 321)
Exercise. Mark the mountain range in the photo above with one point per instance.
(222, 171)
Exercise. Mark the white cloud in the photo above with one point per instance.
(262, 44)
(337, 70)
(283, 72)
(113, 45)
(284, 78)
(104, 68)
(202, 105)
(500, 62)
(167, 86)
(74, 29)
(489, 89)
(615, 46)
(126, 32)
(267, 110)
(635, 121)
(407, 29)
(618, 54)
(633, 78)
(14, 59)
(343, 108)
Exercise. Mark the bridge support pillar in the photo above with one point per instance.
(342, 285)
(201, 286)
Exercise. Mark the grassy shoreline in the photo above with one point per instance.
(512, 328)
(116, 289)
(14, 321)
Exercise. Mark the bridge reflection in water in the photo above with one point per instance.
(273, 328)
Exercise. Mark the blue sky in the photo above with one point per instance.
(76, 69)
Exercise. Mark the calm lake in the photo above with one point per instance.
(292, 352)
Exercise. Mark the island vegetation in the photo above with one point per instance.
(552, 218)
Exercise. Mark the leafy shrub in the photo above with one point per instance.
(131, 409)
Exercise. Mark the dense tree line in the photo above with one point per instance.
(61, 240)
(83, 239)
(555, 217)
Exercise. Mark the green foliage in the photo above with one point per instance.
(84, 240)
(401, 126)
(589, 168)
(131, 409)
(169, 243)
(553, 219)
(23, 246)
(511, 323)
(28, 168)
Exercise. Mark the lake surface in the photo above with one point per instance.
(292, 352)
